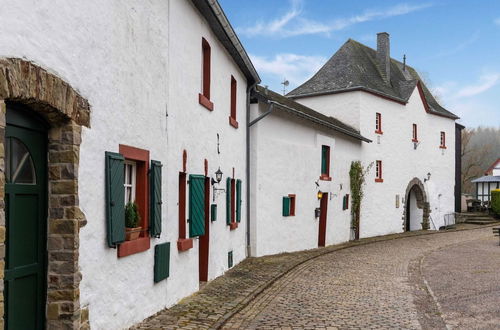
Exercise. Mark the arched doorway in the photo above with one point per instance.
(26, 218)
(416, 210)
(53, 284)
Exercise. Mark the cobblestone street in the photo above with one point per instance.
(383, 284)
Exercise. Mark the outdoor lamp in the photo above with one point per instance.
(428, 177)
(218, 177)
(320, 194)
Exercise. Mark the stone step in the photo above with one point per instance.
(480, 222)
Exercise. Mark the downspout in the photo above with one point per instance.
(249, 91)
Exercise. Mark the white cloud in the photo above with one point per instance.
(295, 68)
(497, 21)
(458, 48)
(293, 24)
(486, 82)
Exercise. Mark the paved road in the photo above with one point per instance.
(385, 285)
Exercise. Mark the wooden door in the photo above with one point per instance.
(205, 239)
(322, 220)
(26, 213)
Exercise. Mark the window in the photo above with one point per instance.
(345, 202)
(129, 174)
(292, 204)
(325, 163)
(288, 205)
(232, 117)
(378, 171)
(233, 202)
(183, 243)
(442, 144)
(204, 97)
(415, 134)
(378, 123)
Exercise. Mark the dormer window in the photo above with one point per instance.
(378, 123)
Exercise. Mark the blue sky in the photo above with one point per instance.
(454, 44)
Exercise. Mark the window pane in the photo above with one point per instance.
(19, 164)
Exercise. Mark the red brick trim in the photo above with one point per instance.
(325, 178)
(379, 132)
(204, 101)
(233, 122)
(132, 247)
(184, 160)
(379, 180)
(442, 147)
(184, 244)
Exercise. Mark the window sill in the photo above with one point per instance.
(379, 132)
(233, 226)
(233, 122)
(132, 247)
(204, 101)
(442, 147)
(325, 177)
(414, 140)
(379, 180)
(184, 244)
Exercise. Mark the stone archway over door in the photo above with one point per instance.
(416, 207)
(65, 111)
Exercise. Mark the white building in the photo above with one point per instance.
(151, 96)
(411, 182)
(490, 181)
(297, 153)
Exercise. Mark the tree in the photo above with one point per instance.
(475, 154)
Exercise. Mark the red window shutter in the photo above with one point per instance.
(206, 67)
(415, 133)
(182, 205)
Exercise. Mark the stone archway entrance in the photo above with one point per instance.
(416, 207)
(27, 85)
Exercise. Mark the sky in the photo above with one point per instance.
(453, 44)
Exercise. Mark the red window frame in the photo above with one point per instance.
(378, 123)
(415, 133)
(204, 96)
(325, 175)
(141, 158)
(232, 117)
(378, 171)
(292, 204)
(442, 137)
(183, 243)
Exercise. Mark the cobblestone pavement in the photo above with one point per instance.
(465, 280)
(364, 287)
(365, 284)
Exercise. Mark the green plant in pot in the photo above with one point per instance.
(132, 219)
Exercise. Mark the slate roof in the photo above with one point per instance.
(354, 67)
(487, 178)
(288, 105)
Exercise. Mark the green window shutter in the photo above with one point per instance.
(286, 206)
(228, 201)
(343, 203)
(238, 200)
(213, 212)
(155, 198)
(324, 159)
(162, 262)
(115, 199)
(196, 205)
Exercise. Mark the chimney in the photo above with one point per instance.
(384, 55)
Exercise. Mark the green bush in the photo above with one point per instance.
(132, 216)
(495, 201)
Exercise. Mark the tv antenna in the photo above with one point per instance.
(285, 83)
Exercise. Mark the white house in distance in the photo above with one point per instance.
(139, 103)
(411, 182)
(296, 153)
(488, 182)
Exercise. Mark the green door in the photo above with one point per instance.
(25, 214)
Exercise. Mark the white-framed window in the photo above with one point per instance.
(129, 184)
(378, 171)
(378, 123)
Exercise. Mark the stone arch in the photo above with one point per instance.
(416, 186)
(65, 111)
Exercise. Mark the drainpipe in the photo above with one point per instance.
(249, 91)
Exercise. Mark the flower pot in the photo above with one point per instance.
(132, 233)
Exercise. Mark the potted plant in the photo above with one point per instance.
(132, 218)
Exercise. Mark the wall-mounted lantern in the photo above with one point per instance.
(428, 177)
(218, 179)
(317, 212)
(319, 194)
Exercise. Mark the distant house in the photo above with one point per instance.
(489, 182)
